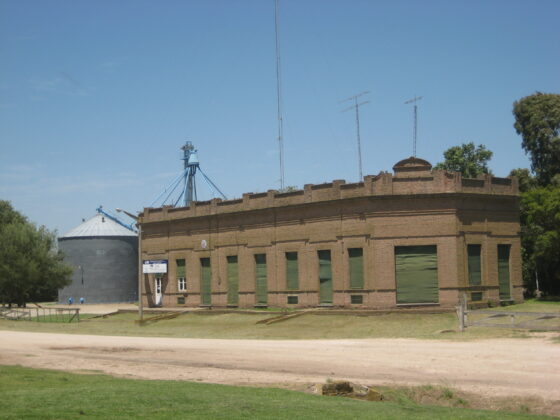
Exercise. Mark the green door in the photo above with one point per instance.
(416, 274)
(356, 264)
(232, 280)
(261, 288)
(475, 278)
(325, 277)
(503, 272)
(292, 272)
(206, 278)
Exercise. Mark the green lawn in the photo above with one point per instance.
(532, 305)
(43, 394)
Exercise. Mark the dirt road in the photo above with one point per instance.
(525, 367)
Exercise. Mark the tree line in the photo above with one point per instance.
(537, 121)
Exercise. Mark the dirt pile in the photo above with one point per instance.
(349, 390)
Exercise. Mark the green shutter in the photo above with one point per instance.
(356, 263)
(180, 271)
(232, 280)
(416, 274)
(206, 286)
(503, 271)
(261, 289)
(475, 278)
(292, 271)
(325, 277)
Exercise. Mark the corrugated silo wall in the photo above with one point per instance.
(105, 269)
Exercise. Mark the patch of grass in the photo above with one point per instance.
(447, 394)
(244, 326)
(549, 299)
(42, 394)
(447, 397)
(532, 305)
(529, 306)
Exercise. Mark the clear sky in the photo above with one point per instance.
(97, 97)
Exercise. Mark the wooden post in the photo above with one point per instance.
(461, 317)
(465, 311)
(462, 312)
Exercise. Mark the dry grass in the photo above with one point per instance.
(449, 397)
(244, 326)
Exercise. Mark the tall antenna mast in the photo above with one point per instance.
(356, 107)
(279, 94)
(414, 100)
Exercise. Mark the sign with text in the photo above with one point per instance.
(154, 266)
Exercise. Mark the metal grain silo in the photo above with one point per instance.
(104, 255)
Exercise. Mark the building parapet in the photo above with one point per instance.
(412, 176)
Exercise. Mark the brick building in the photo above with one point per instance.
(418, 237)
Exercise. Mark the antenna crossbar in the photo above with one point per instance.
(356, 107)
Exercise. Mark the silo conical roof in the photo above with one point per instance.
(98, 225)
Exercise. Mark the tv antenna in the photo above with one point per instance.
(414, 100)
(356, 107)
(279, 93)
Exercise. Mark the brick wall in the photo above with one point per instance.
(416, 206)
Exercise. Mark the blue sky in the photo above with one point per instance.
(97, 97)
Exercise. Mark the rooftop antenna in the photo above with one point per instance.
(414, 100)
(356, 107)
(279, 94)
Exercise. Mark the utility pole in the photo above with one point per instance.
(414, 100)
(140, 265)
(279, 93)
(356, 107)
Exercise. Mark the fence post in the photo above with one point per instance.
(460, 315)
(461, 318)
(462, 312)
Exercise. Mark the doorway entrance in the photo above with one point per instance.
(325, 278)
(158, 291)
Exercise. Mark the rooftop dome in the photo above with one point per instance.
(412, 163)
(412, 167)
(98, 225)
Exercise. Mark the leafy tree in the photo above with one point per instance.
(30, 267)
(537, 120)
(468, 159)
(526, 181)
(9, 215)
(540, 236)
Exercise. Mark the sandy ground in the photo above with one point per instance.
(508, 367)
